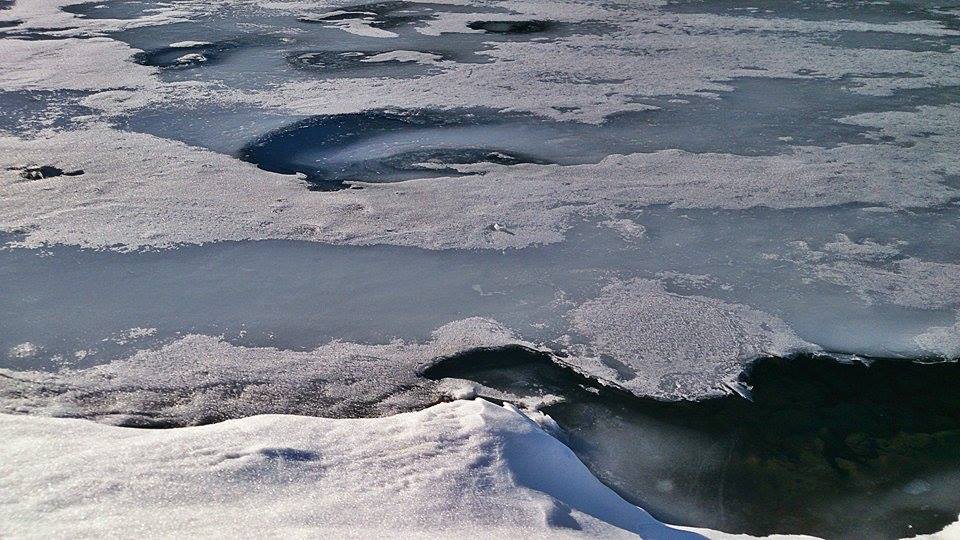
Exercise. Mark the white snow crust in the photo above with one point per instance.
(673, 346)
(143, 191)
(465, 469)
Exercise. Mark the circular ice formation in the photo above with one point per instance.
(391, 146)
(192, 53)
(183, 54)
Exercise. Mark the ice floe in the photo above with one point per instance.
(651, 338)
(201, 379)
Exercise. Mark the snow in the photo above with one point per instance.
(39, 65)
(776, 24)
(23, 350)
(461, 468)
(672, 346)
(941, 341)
(360, 27)
(690, 54)
(629, 229)
(465, 469)
(143, 191)
(188, 44)
(950, 532)
(866, 267)
(191, 58)
(404, 56)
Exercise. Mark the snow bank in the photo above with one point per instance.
(464, 469)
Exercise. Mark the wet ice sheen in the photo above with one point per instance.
(294, 294)
(252, 49)
(24, 112)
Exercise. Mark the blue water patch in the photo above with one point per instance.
(25, 112)
(389, 146)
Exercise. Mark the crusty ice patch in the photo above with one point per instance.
(142, 191)
(201, 379)
(656, 343)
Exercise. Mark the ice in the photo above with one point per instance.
(122, 9)
(870, 12)
(536, 203)
(285, 205)
(511, 27)
(404, 56)
(23, 350)
(644, 329)
(943, 341)
(683, 321)
(200, 379)
(335, 64)
(391, 145)
(189, 44)
(35, 71)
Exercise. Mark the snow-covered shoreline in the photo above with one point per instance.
(469, 469)
(466, 469)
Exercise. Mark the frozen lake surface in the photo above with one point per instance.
(628, 217)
